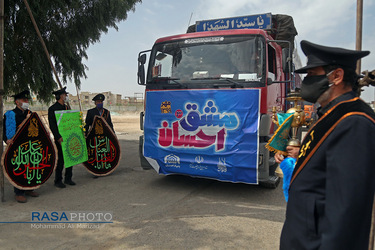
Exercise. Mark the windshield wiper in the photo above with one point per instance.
(218, 78)
(171, 80)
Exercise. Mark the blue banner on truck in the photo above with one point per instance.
(261, 21)
(203, 133)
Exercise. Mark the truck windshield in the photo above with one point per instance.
(240, 58)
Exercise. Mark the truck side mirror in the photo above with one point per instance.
(141, 69)
(269, 81)
(287, 60)
(142, 59)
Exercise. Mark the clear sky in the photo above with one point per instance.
(112, 62)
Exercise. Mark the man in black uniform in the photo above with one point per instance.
(332, 187)
(60, 104)
(99, 111)
(12, 120)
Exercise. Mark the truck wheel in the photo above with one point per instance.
(144, 163)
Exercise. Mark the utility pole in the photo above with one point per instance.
(358, 44)
(1, 92)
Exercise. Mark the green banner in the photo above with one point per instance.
(69, 123)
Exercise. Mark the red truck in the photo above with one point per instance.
(207, 89)
(310, 113)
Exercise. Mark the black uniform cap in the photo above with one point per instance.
(100, 97)
(22, 95)
(319, 55)
(60, 91)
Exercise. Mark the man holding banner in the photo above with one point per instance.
(99, 111)
(12, 120)
(61, 99)
(103, 148)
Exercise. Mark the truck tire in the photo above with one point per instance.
(144, 163)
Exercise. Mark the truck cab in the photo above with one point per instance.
(209, 96)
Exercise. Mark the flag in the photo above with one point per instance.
(279, 140)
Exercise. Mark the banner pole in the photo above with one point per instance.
(43, 44)
(79, 98)
(42, 41)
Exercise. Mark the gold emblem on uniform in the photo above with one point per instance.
(306, 146)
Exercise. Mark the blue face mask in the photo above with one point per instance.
(99, 105)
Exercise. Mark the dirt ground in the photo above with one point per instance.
(126, 123)
(150, 211)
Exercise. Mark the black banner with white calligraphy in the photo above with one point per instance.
(30, 160)
(103, 148)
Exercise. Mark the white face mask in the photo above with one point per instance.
(25, 105)
(66, 99)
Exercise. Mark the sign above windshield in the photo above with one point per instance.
(204, 40)
(261, 21)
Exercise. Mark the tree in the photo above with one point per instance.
(68, 27)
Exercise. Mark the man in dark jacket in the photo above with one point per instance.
(61, 100)
(99, 111)
(332, 187)
(12, 120)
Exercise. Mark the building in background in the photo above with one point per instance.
(86, 98)
(134, 100)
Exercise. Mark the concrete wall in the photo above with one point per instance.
(138, 107)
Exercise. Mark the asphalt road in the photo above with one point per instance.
(148, 211)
